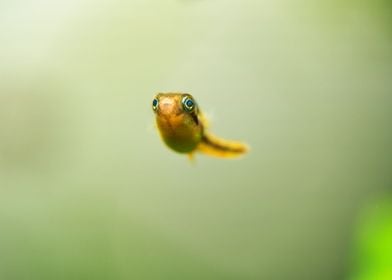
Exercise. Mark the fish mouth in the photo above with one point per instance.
(171, 121)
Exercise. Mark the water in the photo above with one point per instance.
(89, 191)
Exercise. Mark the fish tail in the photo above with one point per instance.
(218, 147)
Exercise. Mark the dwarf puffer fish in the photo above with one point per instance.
(184, 129)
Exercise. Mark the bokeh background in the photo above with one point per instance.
(89, 191)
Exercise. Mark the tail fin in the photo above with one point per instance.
(214, 146)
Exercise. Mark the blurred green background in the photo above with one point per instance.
(88, 190)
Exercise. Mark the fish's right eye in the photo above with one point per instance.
(155, 104)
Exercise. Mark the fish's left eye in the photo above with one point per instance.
(188, 103)
(155, 104)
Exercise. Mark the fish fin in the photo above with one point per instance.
(191, 157)
(203, 119)
(218, 147)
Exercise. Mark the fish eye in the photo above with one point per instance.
(155, 104)
(188, 103)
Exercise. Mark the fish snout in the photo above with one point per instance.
(167, 106)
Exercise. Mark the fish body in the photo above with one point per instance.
(183, 127)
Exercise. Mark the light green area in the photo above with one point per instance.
(373, 254)
(89, 191)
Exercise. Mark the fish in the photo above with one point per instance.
(184, 129)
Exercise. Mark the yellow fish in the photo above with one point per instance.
(184, 130)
